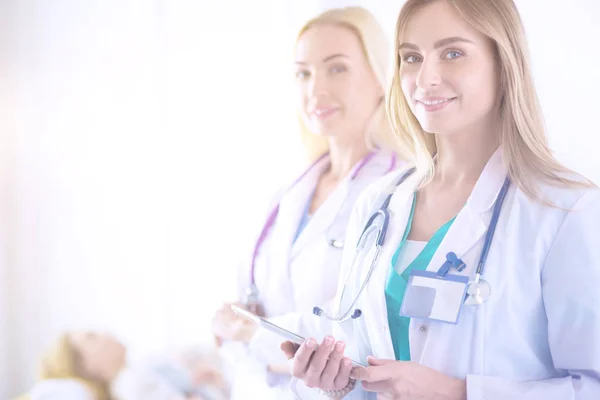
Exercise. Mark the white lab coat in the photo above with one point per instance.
(293, 277)
(538, 336)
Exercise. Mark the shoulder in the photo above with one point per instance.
(564, 201)
(375, 193)
(567, 227)
(580, 207)
(381, 163)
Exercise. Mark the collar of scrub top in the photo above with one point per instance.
(273, 215)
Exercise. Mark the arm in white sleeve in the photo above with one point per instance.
(233, 352)
(571, 294)
(348, 331)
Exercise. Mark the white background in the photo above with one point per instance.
(141, 141)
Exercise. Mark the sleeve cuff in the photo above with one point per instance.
(264, 346)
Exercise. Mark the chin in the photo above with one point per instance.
(324, 131)
(438, 127)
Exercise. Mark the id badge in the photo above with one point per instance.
(434, 297)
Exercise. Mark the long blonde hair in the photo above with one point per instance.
(375, 45)
(61, 361)
(522, 134)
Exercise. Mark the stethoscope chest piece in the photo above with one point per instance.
(478, 292)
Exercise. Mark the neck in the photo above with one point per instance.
(343, 156)
(462, 157)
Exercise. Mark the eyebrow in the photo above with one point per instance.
(328, 58)
(438, 44)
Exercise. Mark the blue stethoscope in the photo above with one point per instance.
(478, 290)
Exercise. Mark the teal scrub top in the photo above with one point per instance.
(396, 286)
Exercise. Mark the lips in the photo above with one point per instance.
(434, 103)
(323, 111)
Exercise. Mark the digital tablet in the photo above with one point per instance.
(284, 333)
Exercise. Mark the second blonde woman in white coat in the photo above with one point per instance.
(340, 61)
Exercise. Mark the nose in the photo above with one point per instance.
(317, 85)
(429, 74)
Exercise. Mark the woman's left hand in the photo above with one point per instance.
(228, 326)
(393, 379)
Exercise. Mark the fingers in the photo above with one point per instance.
(224, 324)
(220, 322)
(379, 361)
(343, 376)
(289, 349)
(376, 373)
(377, 387)
(333, 365)
(303, 357)
(225, 308)
(359, 373)
(322, 366)
(319, 362)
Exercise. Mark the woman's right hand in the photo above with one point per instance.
(228, 326)
(323, 367)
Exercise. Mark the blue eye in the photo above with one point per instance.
(412, 58)
(302, 74)
(337, 69)
(453, 54)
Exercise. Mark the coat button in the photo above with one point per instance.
(423, 328)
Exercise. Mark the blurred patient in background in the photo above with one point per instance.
(93, 366)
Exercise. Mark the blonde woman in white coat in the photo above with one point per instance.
(340, 62)
(487, 210)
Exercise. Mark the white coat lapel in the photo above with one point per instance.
(465, 231)
(294, 203)
(470, 224)
(465, 236)
(291, 208)
(323, 218)
(336, 208)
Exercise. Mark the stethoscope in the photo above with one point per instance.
(252, 295)
(478, 290)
